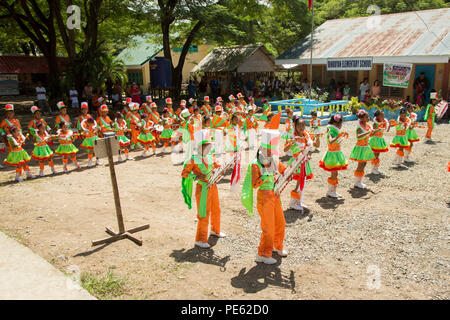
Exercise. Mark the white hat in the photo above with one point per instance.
(203, 137)
(185, 113)
(270, 140)
(433, 96)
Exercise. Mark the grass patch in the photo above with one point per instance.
(103, 287)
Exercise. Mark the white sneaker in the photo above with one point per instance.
(203, 245)
(304, 206)
(220, 235)
(89, 163)
(30, 176)
(376, 171)
(282, 253)
(292, 204)
(157, 152)
(144, 154)
(41, 173)
(164, 150)
(120, 159)
(360, 185)
(129, 158)
(265, 260)
(407, 160)
(54, 170)
(18, 179)
(98, 163)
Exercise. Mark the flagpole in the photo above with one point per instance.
(312, 39)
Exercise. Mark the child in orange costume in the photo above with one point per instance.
(430, 115)
(206, 108)
(362, 153)
(63, 116)
(201, 166)
(9, 122)
(90, 131)
(400, 140)
(315, 129)
(17, 156)
(42, 151)
(121, 128)
(156, 119)
(133, 118)
(377, 142)
(261, 174)
(334, 160)
(66, 148)
(145, 137)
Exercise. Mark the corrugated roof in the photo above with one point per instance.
(228, 59)
(402, 34)
(139, 53)
(26, 64)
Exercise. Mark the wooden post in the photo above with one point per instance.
(115, 187)
(123, 233)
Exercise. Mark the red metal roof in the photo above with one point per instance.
(25, 64)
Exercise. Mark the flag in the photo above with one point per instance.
(310, 4)
(236, 175)
(275, 122)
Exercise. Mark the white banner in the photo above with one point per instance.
(351, 64)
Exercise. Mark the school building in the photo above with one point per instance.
(349, 50)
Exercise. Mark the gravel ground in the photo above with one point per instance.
(388, 242)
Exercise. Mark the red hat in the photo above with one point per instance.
(129, 101)
(169, 101)
(240, 96)
(219, 99)
(61, 105)
(104, 107)
(149, 98)
(183, 103)
(218, 108)
(231, 98)
(154, 105)
(206, 99)
(84, 105)
(34, 109)
(9, 107)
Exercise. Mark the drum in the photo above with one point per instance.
(159, 128)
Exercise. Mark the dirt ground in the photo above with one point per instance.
(388, 242)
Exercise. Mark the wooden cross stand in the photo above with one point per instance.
(106, 148)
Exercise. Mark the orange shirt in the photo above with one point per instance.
(191, 166)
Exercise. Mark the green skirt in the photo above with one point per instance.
(167, 135)
(123, 141)
(42, 153)
(378, 144)
(66, 150)
(400, 142)
(362, 154)
(333, 161)
(297, 174)
(263, 117)
(17, 158)
(146, 138)
(88, 143)
(412, 135)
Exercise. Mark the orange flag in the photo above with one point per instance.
(275, 122)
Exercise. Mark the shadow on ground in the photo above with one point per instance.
(262, 276)
(328, 203)
(206, 256)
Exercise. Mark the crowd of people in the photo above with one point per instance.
(202, 131)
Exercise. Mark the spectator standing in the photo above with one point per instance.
(305, 85)
(249, 87)
(277, 87)
(88, 94)
(363, 89)
(214, 85)
(191, 89)
(73, 93)
(135, 92)
(375, 91)
(117, 95)
(203, 87)
(42, 98)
